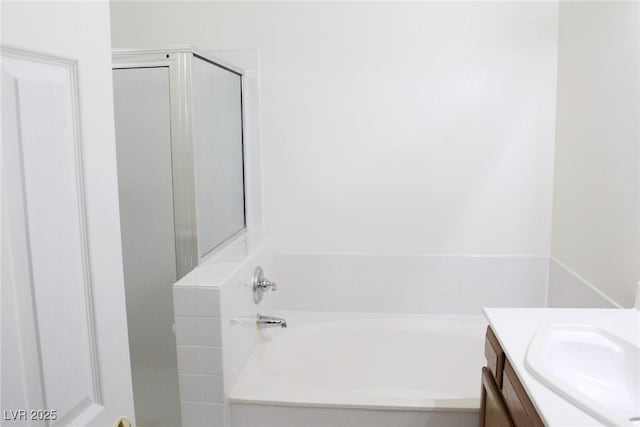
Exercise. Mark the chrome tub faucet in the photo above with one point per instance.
(263, 322)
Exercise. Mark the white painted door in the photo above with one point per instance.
(64, 347)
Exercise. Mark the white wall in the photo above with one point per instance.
(596, 215)
(420, 128)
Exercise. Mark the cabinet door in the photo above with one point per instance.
(518, 403)
(494, 411)
(495, 356)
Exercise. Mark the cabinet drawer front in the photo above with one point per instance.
(495, 356)
(518, 403)
(494, 411)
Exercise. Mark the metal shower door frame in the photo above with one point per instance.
(179, 60)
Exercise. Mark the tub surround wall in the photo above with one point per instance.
(409, 283)
(596, 208)
(239, 311)
(215, 313)
(567, 289)
(199, 348)
(210, 304)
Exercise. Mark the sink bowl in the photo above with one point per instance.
(593, 369)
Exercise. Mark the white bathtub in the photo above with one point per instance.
(364, 361)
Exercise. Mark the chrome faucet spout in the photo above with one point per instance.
(269, 322)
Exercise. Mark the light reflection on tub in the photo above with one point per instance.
(370, 361)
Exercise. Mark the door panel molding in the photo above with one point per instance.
(48, 153)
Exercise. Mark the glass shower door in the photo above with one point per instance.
(218, 150)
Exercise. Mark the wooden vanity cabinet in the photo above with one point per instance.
(495, 356)
(493, 411)
(504, 400)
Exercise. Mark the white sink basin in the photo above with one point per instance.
(593, 369)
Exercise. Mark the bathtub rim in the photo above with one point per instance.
(412, 408)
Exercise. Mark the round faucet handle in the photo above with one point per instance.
(269, 284)
(260, 285)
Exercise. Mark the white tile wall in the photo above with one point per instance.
(198, 331)
(199, 349)
(202, 414)
(212, 388)
(211, 360)
(189, 359)
(200, 360)
(196, 301)
(191, 388)
(200, 322)
(212, 411)
(239, 332)
(192, 414)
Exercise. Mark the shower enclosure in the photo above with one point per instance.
(179, 136)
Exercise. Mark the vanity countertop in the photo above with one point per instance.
(514, 328)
